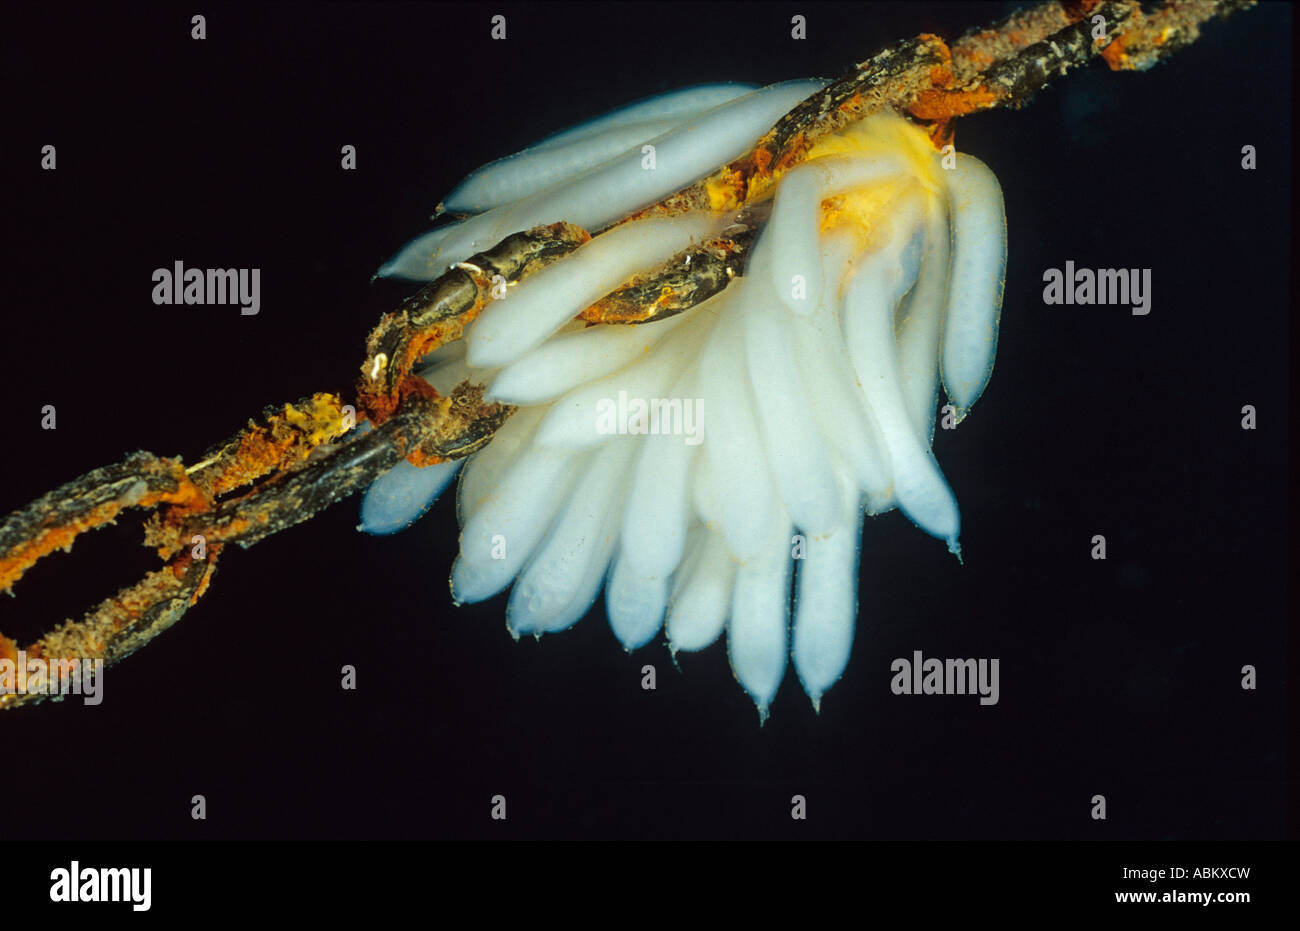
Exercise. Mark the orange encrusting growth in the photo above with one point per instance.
(413, 385)
(8, 649)
(281, 443)
(18, 560)
(286, 438)
(378, 405)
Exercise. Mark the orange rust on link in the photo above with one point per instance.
(1149, 36)
(462, 422)
(613, 310)
(439, 312)
(725, 193)
(126, 621)
(975, 55)
(214, 551)
(730, 188)
(1076, 10)
(50, 532)
(287, 436)
(439, 335)
(944, 99)
(980, 49)
(420, 459)
(1115, 57)
(941, 133)
(118, 626)
(687, 279)
(8, 649)
(938, 104)
(415, 386)
(379, 404)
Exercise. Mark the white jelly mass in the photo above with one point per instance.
(705, 468)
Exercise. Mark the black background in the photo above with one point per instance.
(1118, 678)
